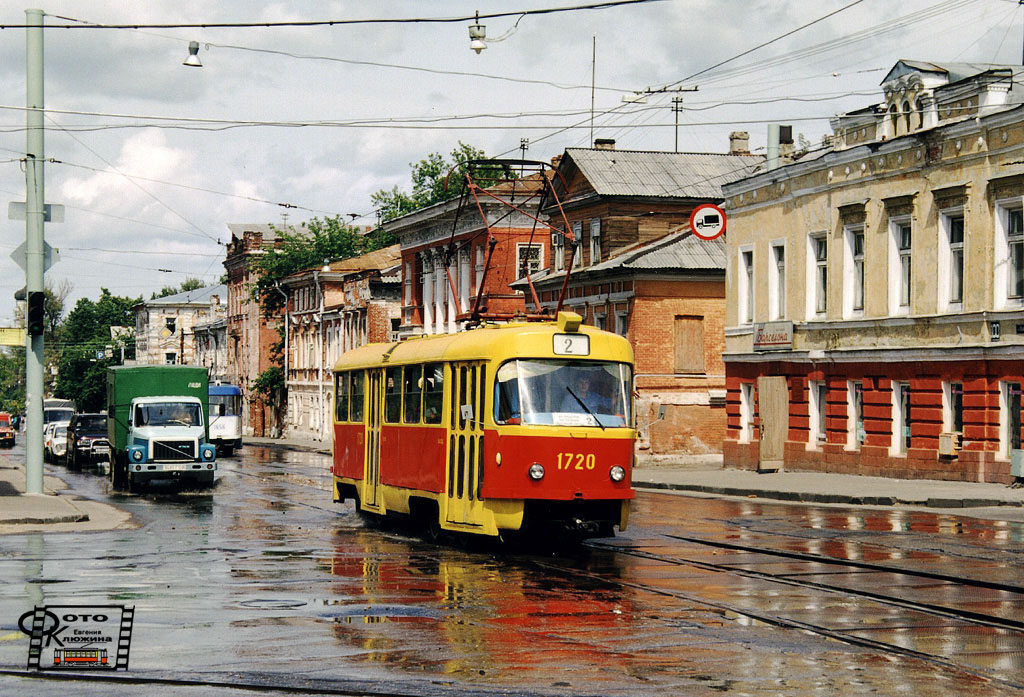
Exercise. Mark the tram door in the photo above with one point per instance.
(466, 439)
(371, 474)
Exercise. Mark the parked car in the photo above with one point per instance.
(87, 440)
(48, 433)
(8, 426)
(59, 443)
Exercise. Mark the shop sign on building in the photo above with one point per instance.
(773, 336)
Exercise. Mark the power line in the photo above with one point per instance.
(80, 24)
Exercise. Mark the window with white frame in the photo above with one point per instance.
(1009, 254)
(951, 258)
(479, 267)
(558, 250)
(577, 257)
(746, 412)
(1009, 417)
(408, 283)
(777, 285)
(953, 406)
(854, 414)
(529, 258)
(900, 266)
(621, 323)
(817, 272)
(595, 241)
(853, 272)
(599, 320)
(900, 418)
(745, 283)
(817, 399)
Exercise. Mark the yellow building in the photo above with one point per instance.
(875, 287)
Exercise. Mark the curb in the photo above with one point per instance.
(813, 497)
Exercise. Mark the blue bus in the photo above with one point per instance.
(225, 417)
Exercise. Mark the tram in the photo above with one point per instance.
(225, 417)
(74, 657)
(495, 430)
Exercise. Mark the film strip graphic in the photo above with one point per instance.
(78, 637)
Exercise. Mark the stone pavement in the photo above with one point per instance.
(59, 509)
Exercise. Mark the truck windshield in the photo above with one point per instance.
(168, 414)
(57, 415)
(564, 393)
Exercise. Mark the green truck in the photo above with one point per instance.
(158, 425)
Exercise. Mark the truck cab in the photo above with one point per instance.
(158, 425)
(6, 430)
(167, 439)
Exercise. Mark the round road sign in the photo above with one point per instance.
(707, 221)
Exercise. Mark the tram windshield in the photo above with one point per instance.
(225, 404)
(564, 393)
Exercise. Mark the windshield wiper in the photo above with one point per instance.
(584, 405)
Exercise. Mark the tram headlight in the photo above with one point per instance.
(617, 473)
(536, 471)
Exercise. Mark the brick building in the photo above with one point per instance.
(250, 335)
(875, 298)
(639, 272)
(432, 254)
(341, 306)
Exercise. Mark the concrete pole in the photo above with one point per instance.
(34, 197)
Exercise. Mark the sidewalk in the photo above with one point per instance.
(55, 505)
(705, 475)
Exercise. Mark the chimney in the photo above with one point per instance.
(739, 143)
(786, 144)
(604, 143)
(780, 145)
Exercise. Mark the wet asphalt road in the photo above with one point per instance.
(264, 585)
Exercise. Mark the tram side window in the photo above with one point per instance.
(412, 391)
(506, 395)
(433, 392)
(356, 395)
(341, 397)
(393, 395)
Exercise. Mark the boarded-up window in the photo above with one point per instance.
(689, 344)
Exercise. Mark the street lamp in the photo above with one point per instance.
(477, 34)
(193, 55)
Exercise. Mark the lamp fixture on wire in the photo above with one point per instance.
(193, 55)
(477, 35)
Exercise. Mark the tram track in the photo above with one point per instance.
(946, 613)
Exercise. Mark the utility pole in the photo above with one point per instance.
(593, 78)
(677, 106)
(34, 245)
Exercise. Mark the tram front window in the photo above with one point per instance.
(564, 393)
(225, 405)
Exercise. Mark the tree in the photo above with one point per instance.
(12, 379)
(186, 285)
(429, 176)
(328, 239)
(85, 344)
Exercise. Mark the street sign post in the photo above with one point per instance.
(707, 221)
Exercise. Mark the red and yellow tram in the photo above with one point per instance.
(490, 431)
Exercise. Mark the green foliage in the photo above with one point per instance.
(12, 380)
(270, 385)
(428, 183)
(328, 239)
(85, 338)
(186, 285)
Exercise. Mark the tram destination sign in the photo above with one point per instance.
(773, 336)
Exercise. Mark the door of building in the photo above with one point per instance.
(773, 411)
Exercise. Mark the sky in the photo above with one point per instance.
(152, 160)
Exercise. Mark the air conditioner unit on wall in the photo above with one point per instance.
(949, 443)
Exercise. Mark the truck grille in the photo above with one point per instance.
(174, 450)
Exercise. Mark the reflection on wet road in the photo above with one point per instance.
(264, 581)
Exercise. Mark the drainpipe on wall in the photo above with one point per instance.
(277, 284)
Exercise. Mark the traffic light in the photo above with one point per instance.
(36, 315)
